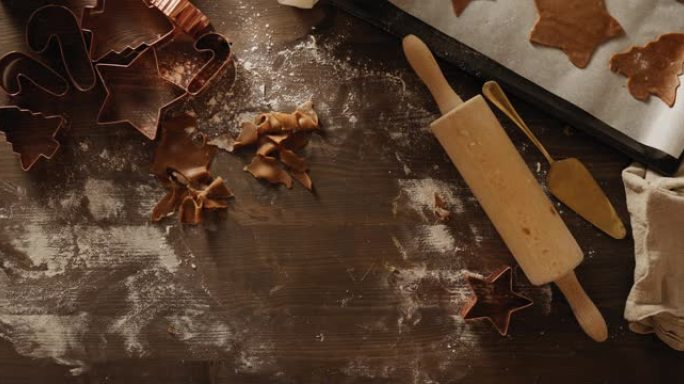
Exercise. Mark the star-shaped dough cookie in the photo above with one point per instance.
(137, 93)
(460, 6)
(577, 27)
(495, 300)
(653, 69)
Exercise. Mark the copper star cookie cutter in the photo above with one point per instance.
(54, 28)
(134, 99)
(489, 302)
(132, 106)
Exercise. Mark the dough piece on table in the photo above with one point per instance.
(267, 168)
(441, 208)
(277, 137)
(577, 27)
(181, 164)
(653, 69)
(460, 6)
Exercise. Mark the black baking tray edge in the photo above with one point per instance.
(388, 17)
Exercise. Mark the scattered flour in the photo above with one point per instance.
(53, 276)
(420, 287)
(38, 245)
(400, 248)
(439, 238)
(418, 195)
(476, 234)
(49, 336)
(104, 199)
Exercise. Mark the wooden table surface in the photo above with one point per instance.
(356, 283)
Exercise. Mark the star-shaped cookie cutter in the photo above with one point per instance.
(494, 299)
(137, 93)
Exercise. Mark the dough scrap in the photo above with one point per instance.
(441, 209)
(460, 6)
(268, 168)
(277, 137)
(653, 69)
(577, 27)
(304, 118)
(181, 163)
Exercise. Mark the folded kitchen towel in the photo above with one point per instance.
(656, 206)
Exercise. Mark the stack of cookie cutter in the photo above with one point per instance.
(33, 135)
(110, 35)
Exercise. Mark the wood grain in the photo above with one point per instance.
(311, 284)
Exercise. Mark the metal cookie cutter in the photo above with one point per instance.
(118, 25)
(184, 15)
(494, 299)
(32, 135)
(208, 43)
(54, 24)
(17, 68)
(215, 53)
(61, 31)
(218, 47)
(137, 94)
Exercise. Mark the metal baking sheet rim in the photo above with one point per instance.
(388, 17)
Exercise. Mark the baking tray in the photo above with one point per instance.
(388, 17)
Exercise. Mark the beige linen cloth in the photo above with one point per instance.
(656, 301)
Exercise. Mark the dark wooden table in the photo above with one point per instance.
(357, 283)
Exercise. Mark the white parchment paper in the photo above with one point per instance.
(500, 30)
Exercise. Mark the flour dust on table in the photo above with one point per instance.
(55, 274)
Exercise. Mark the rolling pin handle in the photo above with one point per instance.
(424, 64)
(588, 316)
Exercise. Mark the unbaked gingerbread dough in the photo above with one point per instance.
(577, 27)
(460, 6)
(653, 69)
(277, 137)
(181, 164)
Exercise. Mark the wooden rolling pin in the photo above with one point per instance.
(506, 189)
